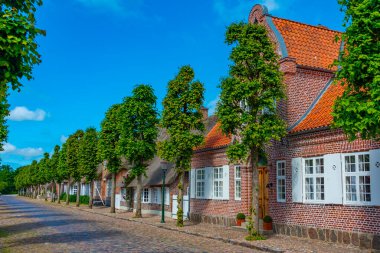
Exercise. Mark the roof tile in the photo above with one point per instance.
(215, 138)
(311, 46)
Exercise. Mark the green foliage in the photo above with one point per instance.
(72, 155)
(73, 198)
(44, 169)
(54, 161)
(182, 119)
(240, 216)
(88, 149)
(267, 219)
(18, 50)
(7, 179)
(139, 128)
(109, 138)
(62, 169)
(357, 111)
(247, 105)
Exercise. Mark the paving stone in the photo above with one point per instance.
(312, 233)
(376, 242)
(365, 241)
(355, 239)
(333, 236)
(346, 238)
(321, 234)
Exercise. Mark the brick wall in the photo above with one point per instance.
(221, 208)
(343, 217)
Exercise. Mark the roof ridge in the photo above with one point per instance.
(314, 26)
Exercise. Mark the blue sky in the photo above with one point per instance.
(96, 51)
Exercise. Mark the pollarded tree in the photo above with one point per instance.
(72, 159)
(247, 106)
(108, 141)
(44, 166)
(139, 129)
(183, 120)
(18, 49)
(357, 111)
(62, 172)
(88, 159)
(54, 170)
(33, 173)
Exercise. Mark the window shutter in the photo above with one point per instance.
(374, 156)
(226, 182)
(192, 183)
(209, 183)
(167, 195)
(297, 188)
(159, 192)
(333, 179)
(135, 195)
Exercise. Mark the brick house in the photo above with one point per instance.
(315, 184)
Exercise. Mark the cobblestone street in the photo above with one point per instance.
(30, 227)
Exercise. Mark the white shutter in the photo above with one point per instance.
(167, 195)
(209, 183)
(333, 179)
(374, 156)
(297, 183)
(226, 182)
(192, 183)
(159, 192)
(135, 195)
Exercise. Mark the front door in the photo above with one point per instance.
(263, 191)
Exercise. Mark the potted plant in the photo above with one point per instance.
(240, 218)
(267, 223)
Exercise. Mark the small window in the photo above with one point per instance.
(218, 182)
(75, 189)
(237, 182)
(145, 195)
(314, 180)
(281, 181)
(155, 195)
(357, 178)
(200, 183)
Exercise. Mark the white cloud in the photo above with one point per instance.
(238, 10)
(25, 152)
(21, 113)
(63, 138)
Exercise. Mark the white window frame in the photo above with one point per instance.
(200, 181)
(217, 183)
(237, 179)
(357, 174)
(155, 193)
(143, 199)
(109, 187)
(313, 176)
(279, 178)
(75, 189)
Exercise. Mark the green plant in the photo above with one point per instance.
(240, 216)
(73, 198)
(267, 219)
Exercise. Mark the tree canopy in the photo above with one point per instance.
(88, 149)
(357, 111)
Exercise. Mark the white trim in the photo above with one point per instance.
(282, 177)
(235, 180)
(198, 180)
(217, 171)
(143, 197)
(313, 176)
(356, 174)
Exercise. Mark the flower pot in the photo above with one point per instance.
(267, 226)
(239, 222)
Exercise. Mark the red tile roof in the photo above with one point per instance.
(215, 138)
(320, 114)
(312, 46)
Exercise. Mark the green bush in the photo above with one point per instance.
(267, 219)
(73, 198)
(240, 216)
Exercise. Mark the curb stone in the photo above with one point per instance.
(221, 239)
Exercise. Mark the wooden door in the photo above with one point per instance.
(263, 192)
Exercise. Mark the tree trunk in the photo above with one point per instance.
(45, 193)
(59, 193)
(180, 199)
(138, 213)
(78, 193)
(52, 198)
(113, 193)
(91, 194)
(68, 192)
(255, 188)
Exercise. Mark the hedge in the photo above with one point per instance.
(73, 198)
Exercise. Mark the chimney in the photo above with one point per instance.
(204, 112)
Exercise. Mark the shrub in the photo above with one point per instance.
(73, 198)
(267, 219)
(240, 216)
